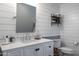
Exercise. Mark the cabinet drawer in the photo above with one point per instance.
(13, 52)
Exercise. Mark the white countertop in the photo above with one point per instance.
(21, 44)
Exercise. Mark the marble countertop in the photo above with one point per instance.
(22, 44)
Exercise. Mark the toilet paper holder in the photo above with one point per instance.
(76, 43)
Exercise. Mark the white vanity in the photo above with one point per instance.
(42, 47)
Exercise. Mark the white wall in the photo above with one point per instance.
(30, 2)
(44, 11)
(43, 21)
(70, 27)
(70, 32)
(7, 23)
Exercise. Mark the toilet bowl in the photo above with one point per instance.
(66, 50)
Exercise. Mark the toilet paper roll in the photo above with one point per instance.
(75, 43)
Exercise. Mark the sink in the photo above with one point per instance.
(29, 41)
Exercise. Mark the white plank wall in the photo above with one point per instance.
(7, 23)
(43, 20)
(44, 11)
(6, 13)
(70, 32)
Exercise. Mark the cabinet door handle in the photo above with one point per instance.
(37, 49)
(49, 46)
(49, 55)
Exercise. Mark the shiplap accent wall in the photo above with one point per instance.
(7, 23)
(43, 20)
(43, 26)
(70, 32)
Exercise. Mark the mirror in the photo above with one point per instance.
(26, 18)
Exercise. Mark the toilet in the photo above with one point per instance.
(66, 51)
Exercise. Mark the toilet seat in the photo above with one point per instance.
(66, 50)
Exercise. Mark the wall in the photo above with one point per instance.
(43, 21)
(44, 11)
(7, 23)
(70, 31)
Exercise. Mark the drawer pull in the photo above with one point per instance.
(49, 46)
(37, 49)
(49, 55)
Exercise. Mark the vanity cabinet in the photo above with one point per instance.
(28, 51)
(38, 49)
(43, 49)
(34, 50)
(13, 52)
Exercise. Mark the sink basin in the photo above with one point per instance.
(5, 43)
(29, 41)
